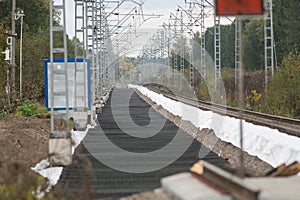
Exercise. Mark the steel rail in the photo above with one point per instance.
(284, 124)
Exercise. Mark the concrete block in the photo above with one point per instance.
(186, 187)
(60, 151)
(80, 120)
(277, 188)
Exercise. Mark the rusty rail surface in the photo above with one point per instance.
(286, 125)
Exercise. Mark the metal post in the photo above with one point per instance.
(7, 83)
(66, 64)
(237, 52)
(21, 56)
(241, 99)
(13, 46)
(19, 14)
(51, 68)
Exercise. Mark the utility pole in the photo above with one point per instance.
(21, 55)
(18, 14)
(13, 46)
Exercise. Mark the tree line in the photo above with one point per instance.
(286, 27)
(282, 95)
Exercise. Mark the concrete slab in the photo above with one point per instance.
(80, 119)
(184, 186)
(287, 188)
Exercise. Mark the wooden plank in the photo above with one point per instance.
(222, 179)
(284, 170)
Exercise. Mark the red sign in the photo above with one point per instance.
(239, 7)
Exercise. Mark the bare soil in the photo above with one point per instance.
(23, 143)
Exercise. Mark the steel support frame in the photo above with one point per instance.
(89, 41)
(80, 35)
(54, 50)
(96, 47)
(237, 52)
(217, 52)
(202, 30)
(191, 69)
(269, 42)
(182, 49)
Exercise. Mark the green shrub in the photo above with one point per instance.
(42, 112)
(252, 101)
(283, 95)
(29, 109)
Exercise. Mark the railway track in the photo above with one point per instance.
(283, 124)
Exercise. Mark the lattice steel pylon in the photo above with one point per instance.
(191, 71)
(182, 49)
(237, 53)
(217, 52)
(175, 54)
(269, 42)
(169, 53)
(97, 41)
(79, 34)
(167, 63)
(100, 47)
(58, 72)
(89, 41)
(162, 54)
(107, 49)
(109, 78)
(60, 140)
(202, 30)
(80, 107)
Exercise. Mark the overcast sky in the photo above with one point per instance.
(150, 7)
(159, 7)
